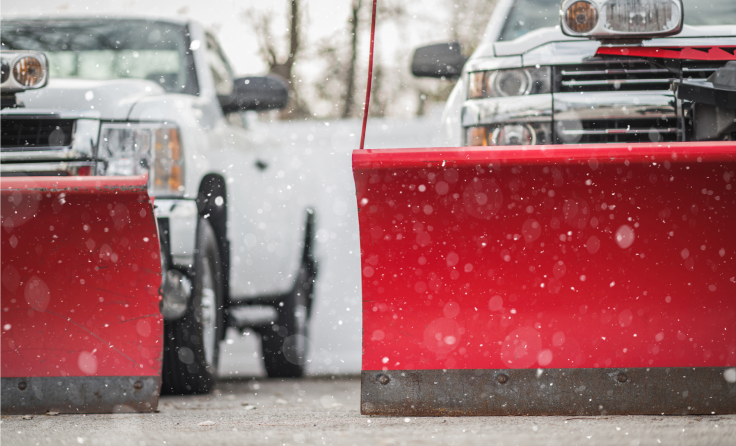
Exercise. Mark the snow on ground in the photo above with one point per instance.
(335, 331)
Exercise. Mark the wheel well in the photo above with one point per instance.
(212, 187)
(211, 190)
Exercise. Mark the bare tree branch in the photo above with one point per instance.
(281, 66)
(354, 24)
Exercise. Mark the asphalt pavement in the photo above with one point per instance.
(325, 411)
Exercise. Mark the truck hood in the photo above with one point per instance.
(105, 99)
(690, 35)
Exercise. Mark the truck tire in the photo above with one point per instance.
(284, 344)
(191, 344)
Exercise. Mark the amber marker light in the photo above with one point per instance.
(475, 85)
(29, 71)
(476, 136)
(168, 175)
(581, 17)
(176, 178)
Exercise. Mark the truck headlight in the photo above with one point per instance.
(136, 149)
(514, 82)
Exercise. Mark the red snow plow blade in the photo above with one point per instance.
(81, 325)
(548, 280)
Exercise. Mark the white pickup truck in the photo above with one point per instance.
(535, 80)
(135, 96)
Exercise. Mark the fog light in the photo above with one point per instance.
(177, 290)
(513, 135)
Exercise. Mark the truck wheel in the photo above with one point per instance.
(191, 344)
(285, 343)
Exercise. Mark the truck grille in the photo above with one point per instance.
(627, 77)
(35, 133)
(634, 75)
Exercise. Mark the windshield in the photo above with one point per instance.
(528, 15)
(110, 49)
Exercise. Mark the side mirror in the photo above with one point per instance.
(256, 93)
(439, 60)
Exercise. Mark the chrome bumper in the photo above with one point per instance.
(612, 113)
(523, 109)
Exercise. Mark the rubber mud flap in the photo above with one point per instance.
(556, 280)
(81, 327)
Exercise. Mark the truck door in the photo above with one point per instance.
(250, 162)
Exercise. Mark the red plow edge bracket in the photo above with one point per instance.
(713, 53)
(548, 280)
(81, 327)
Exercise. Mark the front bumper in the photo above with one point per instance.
(177, 222)
(179, 218)
(647, 116)
(579, 118)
